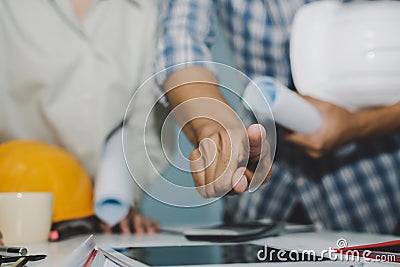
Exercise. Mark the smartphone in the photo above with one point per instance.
(237, 232)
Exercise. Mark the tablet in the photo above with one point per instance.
(208, 254)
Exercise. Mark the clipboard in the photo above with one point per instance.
(388, 251)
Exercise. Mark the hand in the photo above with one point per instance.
(337, 129)
(215, 164)
(228, 157)
(134, 222)
(1, 240)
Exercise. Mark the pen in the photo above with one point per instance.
(16, 258)
(20, 263)
(13, 251)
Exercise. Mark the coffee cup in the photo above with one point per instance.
(25, 217)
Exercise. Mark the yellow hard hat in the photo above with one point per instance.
(30, 166)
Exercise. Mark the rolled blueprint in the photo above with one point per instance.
(114, 187)
(271, 100)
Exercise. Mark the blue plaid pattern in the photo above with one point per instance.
(360, 191)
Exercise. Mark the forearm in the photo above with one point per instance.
(198, 103)
(377, 121)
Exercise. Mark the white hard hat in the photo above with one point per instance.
(347, 53)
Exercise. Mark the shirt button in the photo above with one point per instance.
(300, 182)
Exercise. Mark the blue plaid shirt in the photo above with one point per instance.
(359, 192)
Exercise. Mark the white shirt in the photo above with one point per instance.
(68, 82)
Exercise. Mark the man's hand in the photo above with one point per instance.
(1, 240)
(338, 128)
(231, 160)
(134, 222)
(228, 157)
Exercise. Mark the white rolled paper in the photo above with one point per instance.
(285, 106)
(271, 100)
(114, 188)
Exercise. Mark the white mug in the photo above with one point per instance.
(25, 217)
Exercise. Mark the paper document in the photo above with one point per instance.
(114, 185)
(269, 99)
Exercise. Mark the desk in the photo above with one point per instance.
(59, 252)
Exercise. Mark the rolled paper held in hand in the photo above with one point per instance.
(271, 100)
(114, 185)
